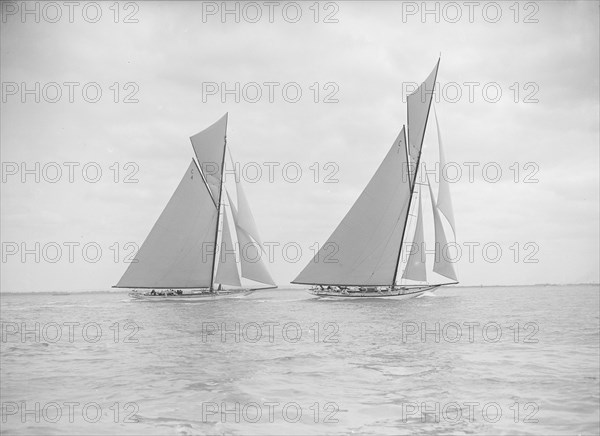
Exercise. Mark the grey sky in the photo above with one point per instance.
(368, 55)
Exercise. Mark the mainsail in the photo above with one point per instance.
(179, 251)
(366, 243)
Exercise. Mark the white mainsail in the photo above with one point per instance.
(416, 268)
(367, 242)
(179, 251)
(418, 104)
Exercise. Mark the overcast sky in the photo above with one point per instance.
(543, 128)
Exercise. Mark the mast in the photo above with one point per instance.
(412, 186)
(212, 272)
(407, 209)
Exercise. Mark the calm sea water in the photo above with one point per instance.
(464, 361)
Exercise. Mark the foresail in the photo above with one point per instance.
(442, 265)
(245, 219)
(251, 252)
(227, 271)
(209, 147)
(418, 104)
(178, 251)
(252, 259)
(416, 266)
(444, 201)
(363, 249)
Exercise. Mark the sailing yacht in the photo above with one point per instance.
(370, 241)
(190, 253)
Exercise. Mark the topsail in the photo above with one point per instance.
(418, 104)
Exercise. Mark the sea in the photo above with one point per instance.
(480, 360)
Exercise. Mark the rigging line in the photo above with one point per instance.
(212, 272)
(204, 179)
(407, 212)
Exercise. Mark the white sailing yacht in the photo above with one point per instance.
(370, 240)
(190, 253)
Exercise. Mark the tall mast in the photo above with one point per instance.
(412, 186)
(212, 272)
(407, 209)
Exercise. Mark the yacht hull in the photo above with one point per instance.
(396, 294)
(190, 296)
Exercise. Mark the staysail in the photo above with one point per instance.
(442, 265)
(179, 251)
(251, 253)
(415, 266)
(444, 201)
(245, 219)
(363, 249)
(418, 105)
(227, 271)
